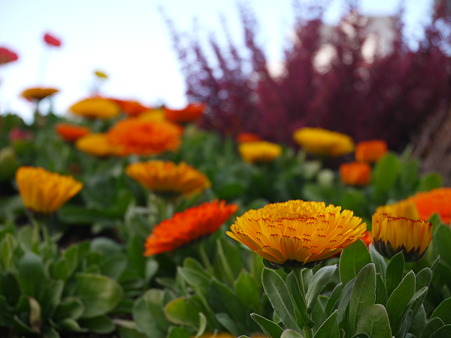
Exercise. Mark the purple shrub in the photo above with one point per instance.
(388, 98)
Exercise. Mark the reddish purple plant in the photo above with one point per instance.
(388, 98)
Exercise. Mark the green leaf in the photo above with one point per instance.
(178, 332)
(99, 294)
(98, 324)
(334, 298)
(418, 322)
(423, 278)
(319, 281)
(443, 311)
(385, 172)
(363, 294)
(248, 290)
(374, 322)
(279, 298)
(199, 281)
(381, 291)
(202, 325)
(298, 299)
(352, 260)
(228, 323)
(269, 328)
(444, 331)
(441, 242)
(329, 328)
(288, 333)
(228, 261)
(378, 259)
(32, 277)
(430, 181)
(394, 272)
(69, 308)
(222, 299)
(433, 325)
(399, 299)
(344, 301)
(148, 314)
(183, 311)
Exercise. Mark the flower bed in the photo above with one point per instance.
(158, 229)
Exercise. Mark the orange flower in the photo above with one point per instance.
(434, 201)
(370, 151)
(96, 144)
(399, 234)
(38, 93)
(355, 173)
(187, 226)
(188, 114)
(44, 191)
(168, 177)
(130, 107)
(70, 132)
(323, 142)
(367, 238)
(247, 137)
(95, 107)
(297, 233)
(142, 137)
(7, 56)
(259, 151)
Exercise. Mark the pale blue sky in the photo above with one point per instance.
(129, 41)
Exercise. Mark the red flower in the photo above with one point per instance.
(190, 113)
(131, 107)
(355, 173)
(187, 226)
(244, 137)
(70, 132)
(51, 40)
(7, 56)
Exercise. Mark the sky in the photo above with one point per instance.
(129, 40)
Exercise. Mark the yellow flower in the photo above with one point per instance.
(153, 115)
(259, 151)
(97, 145)
(38, 93)
(168, 177)
(100, 74)
(399, 234)
(95, 107)
(43, 191)
(297, 233)
(323, 142)
(404, 208)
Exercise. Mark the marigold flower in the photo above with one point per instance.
(355, 173)
(370, 151)
(96, 144)
(71, 132)
(188, 114)
(52, 40)
(7, 56)
(130, 107)
(153, 115)
(38, 93)
(187, 226)
(142, 137)
(399, 234)
(297, 233)
(100, 74)
(323, 142)
(434, 201)
(44, 191)
(404, 208)
(259, 151)
(95, 107)
(247, 137)
(168, 177)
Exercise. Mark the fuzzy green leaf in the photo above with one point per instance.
(319, 281)
(277, 293)
(399, 299)
(443, 311)
(363, 294)
(269, 328)
(329, 328)
(352, 260)
(374, 322)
